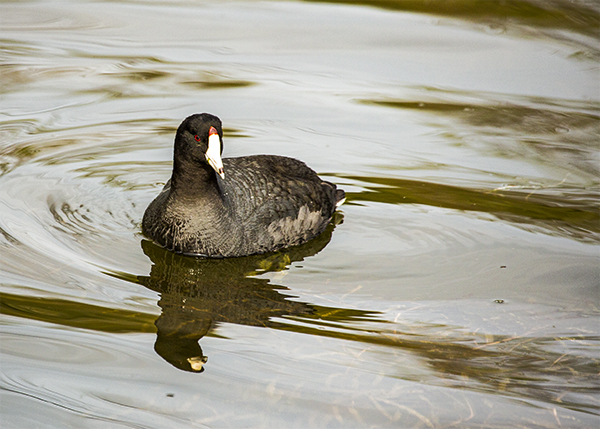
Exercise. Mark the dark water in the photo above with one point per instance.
(458, 287)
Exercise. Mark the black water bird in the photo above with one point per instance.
(235, 206)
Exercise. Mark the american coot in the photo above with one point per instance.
(235, 206)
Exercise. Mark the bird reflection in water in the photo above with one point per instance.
(198, 293)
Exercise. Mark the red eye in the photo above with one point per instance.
(197, 137)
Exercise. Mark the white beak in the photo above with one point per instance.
(213, 154)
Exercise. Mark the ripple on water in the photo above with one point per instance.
(437, 226)
(560, 136)
(65, 202)
(561, 211)
(77, 209)
(98, 389)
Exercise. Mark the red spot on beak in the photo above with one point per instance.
(212, 131)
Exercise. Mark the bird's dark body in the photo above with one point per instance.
(264, 203)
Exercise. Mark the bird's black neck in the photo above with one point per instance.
(192, 178)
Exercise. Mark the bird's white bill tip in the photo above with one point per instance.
(213, 154)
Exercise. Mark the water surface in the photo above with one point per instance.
(457, 287)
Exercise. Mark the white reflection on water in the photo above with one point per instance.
(470, 157)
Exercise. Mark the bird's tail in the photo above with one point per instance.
(340, 197)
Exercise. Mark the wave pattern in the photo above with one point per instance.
(458, 285)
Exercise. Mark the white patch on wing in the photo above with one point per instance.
(295, 228)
